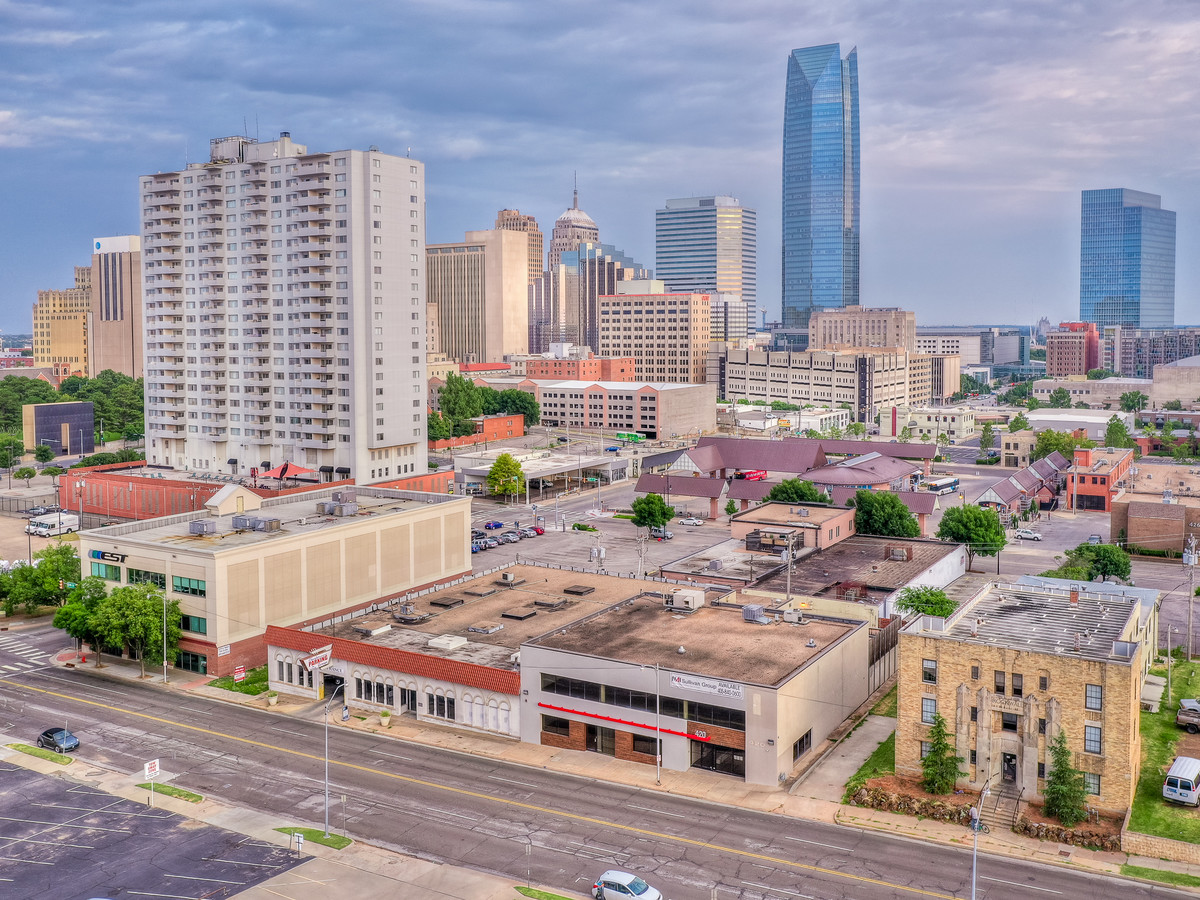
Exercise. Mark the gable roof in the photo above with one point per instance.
(678, 486)
(919, 503)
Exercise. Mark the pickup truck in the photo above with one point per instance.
(1188, 716)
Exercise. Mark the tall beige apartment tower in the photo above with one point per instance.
(115, 319)
(666, 334)
(860, 326)
(285, 311)
(512, 220)
(480, 287)
(60, 327)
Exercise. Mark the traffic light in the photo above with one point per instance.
(61, 584)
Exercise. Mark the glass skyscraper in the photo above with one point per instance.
(1126, 259)
(820, 183)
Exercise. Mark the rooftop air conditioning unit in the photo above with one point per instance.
(687, 599)
(243, 523)
(345, 495)
(345, 509)
(202, 526)
(324, 508)
(752, 612)
(508, 577)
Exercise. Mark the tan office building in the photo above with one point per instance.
(860, 326)
(480, 287)
(60, 327)
(115, 339)
(666, 334)
(512, 220)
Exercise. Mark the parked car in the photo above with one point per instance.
(1094, 539)
(563, 440)
(491, 543)
(475, 546)
(661, 533)
(1188, 716)
(476, 534)
(538, 529)
(612, 449)
(1027, 534)
(614, 884)
(691, 520)
(510, 537)
(58, 739)
(35, 511)
(528, 532)
(491, 526)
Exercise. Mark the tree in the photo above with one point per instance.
(978, 528)
(943, 439)
(883, 513)
(52, 471)
(459, 399)
(1033, 403)
(1134, 401)
(43, 453)
(731, 508)
(651, 511)
(1065, 796)
(25, 474)
(796, 490)
(75, 617)
(905, 434)
(833, 433)
(1117, 435)
(941, 767)
(438, 427)
(856, 429)
(1172, 404)
(987, 437)
(38, 585)
(1098, 374)
(1018, 423)
(11, 450)
(131, 617)
(1103, 561)
(1064, 442)
(514, 401)
(1060, 398)
(925, 601)
(505, 477)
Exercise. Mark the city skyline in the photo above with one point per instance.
(970, 183)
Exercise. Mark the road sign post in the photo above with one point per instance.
(150, 770)
(239, 673)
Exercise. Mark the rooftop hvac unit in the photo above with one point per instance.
(794, 616)
(202, 526)
(803, 512)
(345, 509)
(687, 599)
(268, 525)
(508, 577)
(752, 612)
(345, 495)
(243, 523)
(324, 508)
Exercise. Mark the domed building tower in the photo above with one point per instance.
(572, 228)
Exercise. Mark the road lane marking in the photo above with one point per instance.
(1019, 884)
(511, 781)
(776, 890)
(819, 844)
(658, 812)
(490, 798)
(392, 755)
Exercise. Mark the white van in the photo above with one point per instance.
(1182, 784)
(52, 524)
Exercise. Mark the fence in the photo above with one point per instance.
(882, 654)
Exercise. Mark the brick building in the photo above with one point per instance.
(598, 368)
(1072, 350)
(1016, 664)
(1097, 476)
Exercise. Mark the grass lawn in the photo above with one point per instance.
(887, 703)
(255, 682)
(61, 758)
(169, 790)
(317, 836)
(1162, 875)
(538, 895)
(881, 762)
(1152, 814)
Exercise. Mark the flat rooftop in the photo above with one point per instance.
(795, 515)
(726, 560)
(297, 514)
(1041, 620)
(878, 563)
(716, 642)
(495, 616)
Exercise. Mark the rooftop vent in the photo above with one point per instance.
(485, 627)
(202, 526)
(519, 614)
(345, 509)
(345, 495)
(373, 630)
(447, 642)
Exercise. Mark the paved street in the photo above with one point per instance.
(483, 813)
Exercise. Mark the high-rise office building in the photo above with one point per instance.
(115, 321)
(1126, 259)
(572, 228)
(863, 327)
(481, 289)
(60, 327)
(667, 334)
(512, 220)
(820, 183)
(284, 313)
(708, 245)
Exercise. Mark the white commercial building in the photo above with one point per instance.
(285, 310)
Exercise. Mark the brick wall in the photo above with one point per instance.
(625, 751)
(723, 737)
(1160, 847)
(576, 740)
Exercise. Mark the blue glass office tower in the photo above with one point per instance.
(820, 183)
(1126, 259)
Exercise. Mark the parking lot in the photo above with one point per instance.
(64, 839)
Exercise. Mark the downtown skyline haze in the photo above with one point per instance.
(979, 128)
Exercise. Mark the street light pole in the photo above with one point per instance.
(976, 824)
(164, 638)
(331, 696)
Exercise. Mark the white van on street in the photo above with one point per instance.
(52, 524)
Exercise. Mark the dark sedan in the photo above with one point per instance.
(58, 739)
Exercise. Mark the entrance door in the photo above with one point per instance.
(1008, 767)
(715, 758)
(602, 740)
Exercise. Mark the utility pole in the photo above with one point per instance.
(1189, 560)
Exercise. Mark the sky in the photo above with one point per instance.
(981, 123)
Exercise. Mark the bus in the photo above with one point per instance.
(631, 437)
(942, 485)
(752, 475)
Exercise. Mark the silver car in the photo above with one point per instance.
(614, 884)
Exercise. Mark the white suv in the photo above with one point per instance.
(613, 885)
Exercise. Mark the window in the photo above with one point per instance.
(556, 725)
(193, 586)
(928, 709)
(195, 624)
(1041, 726)
(140, 576)
(926, 749)
(999, 680)
(972, 757)
(193, 662)
(1043, 682)
(1041, 770)
(929, 671)
(1091, 783)
(1092, 742)
(802, 746)
(107, 572)
(643, 743)
(1008, 721)
(441, 707)
(974, 673)
(1093, 696)
(974, 713)
(1018, 685)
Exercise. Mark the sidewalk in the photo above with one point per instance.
(815, 797)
